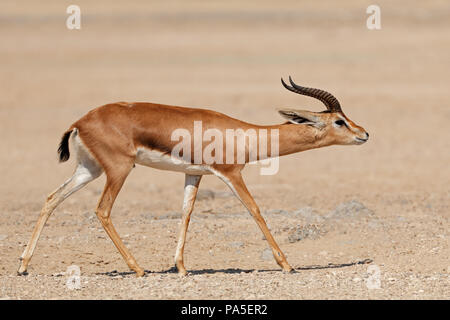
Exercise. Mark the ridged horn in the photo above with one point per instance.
(327, 98)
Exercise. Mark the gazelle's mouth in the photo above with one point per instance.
(361, 140)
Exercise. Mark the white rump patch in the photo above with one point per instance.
(87, 165)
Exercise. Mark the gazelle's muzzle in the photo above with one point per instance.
(362, 139)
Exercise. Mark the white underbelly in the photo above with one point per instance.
(159, 160)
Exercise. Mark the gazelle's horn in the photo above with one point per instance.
(327, 98)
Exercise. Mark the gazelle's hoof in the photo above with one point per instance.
(182, 274)
(288, 269)
(140, 272)
(181, 270)
(22, 268)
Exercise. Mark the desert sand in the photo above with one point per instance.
(346, 217)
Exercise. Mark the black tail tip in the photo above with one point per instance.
(63, 149)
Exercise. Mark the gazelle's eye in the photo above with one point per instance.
(340, 122)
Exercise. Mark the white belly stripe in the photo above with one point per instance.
(159, 160)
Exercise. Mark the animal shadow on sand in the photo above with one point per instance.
(116, 273)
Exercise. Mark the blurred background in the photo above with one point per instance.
(229, 56)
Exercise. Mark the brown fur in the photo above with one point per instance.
(117, 130)
(114, 132)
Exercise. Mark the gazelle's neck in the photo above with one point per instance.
(295, 138)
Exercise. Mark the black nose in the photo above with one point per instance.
(367, 135)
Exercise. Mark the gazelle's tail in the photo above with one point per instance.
(63, 149)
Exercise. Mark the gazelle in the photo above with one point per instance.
(114, 137)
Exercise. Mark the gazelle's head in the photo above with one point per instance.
(332, 125)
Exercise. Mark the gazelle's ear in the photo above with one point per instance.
(302, 117)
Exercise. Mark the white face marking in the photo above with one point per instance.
(159, 160)
(338, 126)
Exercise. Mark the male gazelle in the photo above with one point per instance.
(113, 137)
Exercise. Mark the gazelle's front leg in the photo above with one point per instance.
(190, 192)
(236, 183)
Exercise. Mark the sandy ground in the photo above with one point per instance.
(366, 222)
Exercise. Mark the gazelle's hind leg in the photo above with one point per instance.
(87, 170)
(114, 181)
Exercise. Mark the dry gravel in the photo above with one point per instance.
(337, 212)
